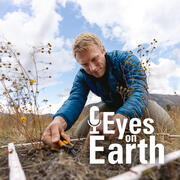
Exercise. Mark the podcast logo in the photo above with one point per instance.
(135, 126)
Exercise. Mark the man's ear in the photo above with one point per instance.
(103, 50)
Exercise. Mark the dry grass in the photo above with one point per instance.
(174, 143)
(9, 131)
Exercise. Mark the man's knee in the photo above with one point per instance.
(83, 126)
(159, 115)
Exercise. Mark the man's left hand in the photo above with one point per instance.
(114, 126)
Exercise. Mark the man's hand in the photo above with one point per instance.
(114, 126)
(53, 132)
(110, 127)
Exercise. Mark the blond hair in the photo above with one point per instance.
(84, 40)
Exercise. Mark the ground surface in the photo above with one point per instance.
(43, 163)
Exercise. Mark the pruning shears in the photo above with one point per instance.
(63, 143)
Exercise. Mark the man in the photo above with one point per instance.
(117, 77)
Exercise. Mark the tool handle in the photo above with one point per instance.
(64, 142)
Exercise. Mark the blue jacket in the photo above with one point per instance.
(123, 86)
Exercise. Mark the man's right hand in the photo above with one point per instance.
(53, 132)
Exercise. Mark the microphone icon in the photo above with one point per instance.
(93, 122)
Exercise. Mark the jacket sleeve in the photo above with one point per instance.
(135, 79)
(73, 106)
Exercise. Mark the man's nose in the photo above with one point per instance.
(92, 67)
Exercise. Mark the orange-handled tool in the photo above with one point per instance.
(63, 143)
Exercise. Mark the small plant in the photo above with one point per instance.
(20, 89)
(168, 107)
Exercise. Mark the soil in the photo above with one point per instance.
(43, 163)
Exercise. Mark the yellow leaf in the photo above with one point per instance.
(32, 81)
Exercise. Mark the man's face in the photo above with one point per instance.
(93, 60)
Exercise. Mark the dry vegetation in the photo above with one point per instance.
(19, 91)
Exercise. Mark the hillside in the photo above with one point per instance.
(163, 100)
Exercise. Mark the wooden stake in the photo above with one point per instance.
(137, 171)
(16, 171)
